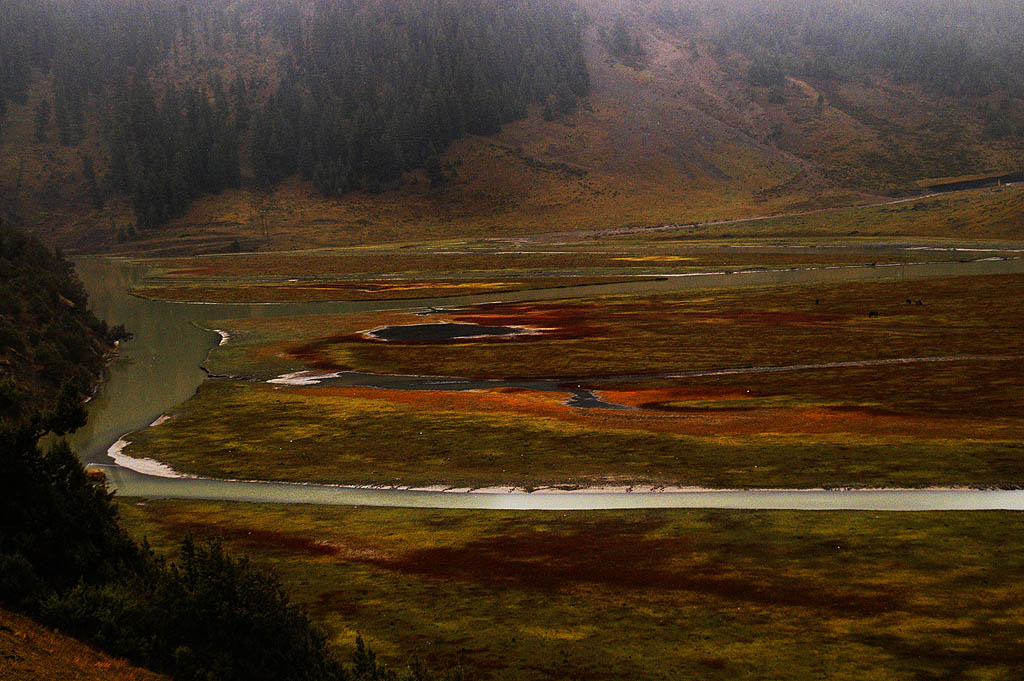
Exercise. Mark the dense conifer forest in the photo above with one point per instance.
(362, 91)
(192, 98)
(369, 91)
(50, 343)
(955, 48)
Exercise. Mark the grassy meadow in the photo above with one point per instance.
(472, 267)
(907, 424)
(641, 594)
(992, 214)
(679, 437)
(644, 594)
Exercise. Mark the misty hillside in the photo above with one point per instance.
(192, 126)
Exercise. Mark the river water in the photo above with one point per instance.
(160, 368)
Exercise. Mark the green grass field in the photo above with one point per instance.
(992, 214)
(462, 268)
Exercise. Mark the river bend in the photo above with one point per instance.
(160, 368)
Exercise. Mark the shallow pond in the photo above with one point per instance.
(441, 332)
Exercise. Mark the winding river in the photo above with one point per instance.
(159, 369)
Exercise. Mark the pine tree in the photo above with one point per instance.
(42, 120)
(92, 189)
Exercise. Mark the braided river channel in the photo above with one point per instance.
(160, 368)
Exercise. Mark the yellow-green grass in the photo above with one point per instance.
(660, 333)
(374, 289)
(963, 216)
(457, 268)
(31, 652)
(956, 391)
(936, 181)
(642, 595)
(679, 437)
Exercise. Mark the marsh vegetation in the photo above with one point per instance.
(543, 243)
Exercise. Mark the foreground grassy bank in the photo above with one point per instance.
(644, 595)
(681, 436)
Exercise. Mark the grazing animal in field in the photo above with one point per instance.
(873, 313)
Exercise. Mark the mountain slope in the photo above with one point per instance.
(711, 112)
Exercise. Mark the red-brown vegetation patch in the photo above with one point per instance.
(727, 409)
(196, 271)
(815, 421)
(544, 323)
(272, 540)
(32, 652)
(788, 318)
(656, 417)
(683, 409)
(653, 396)
(609, 555)
(863, 410)
(314, 355)
(338, 602)
(558, 322)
